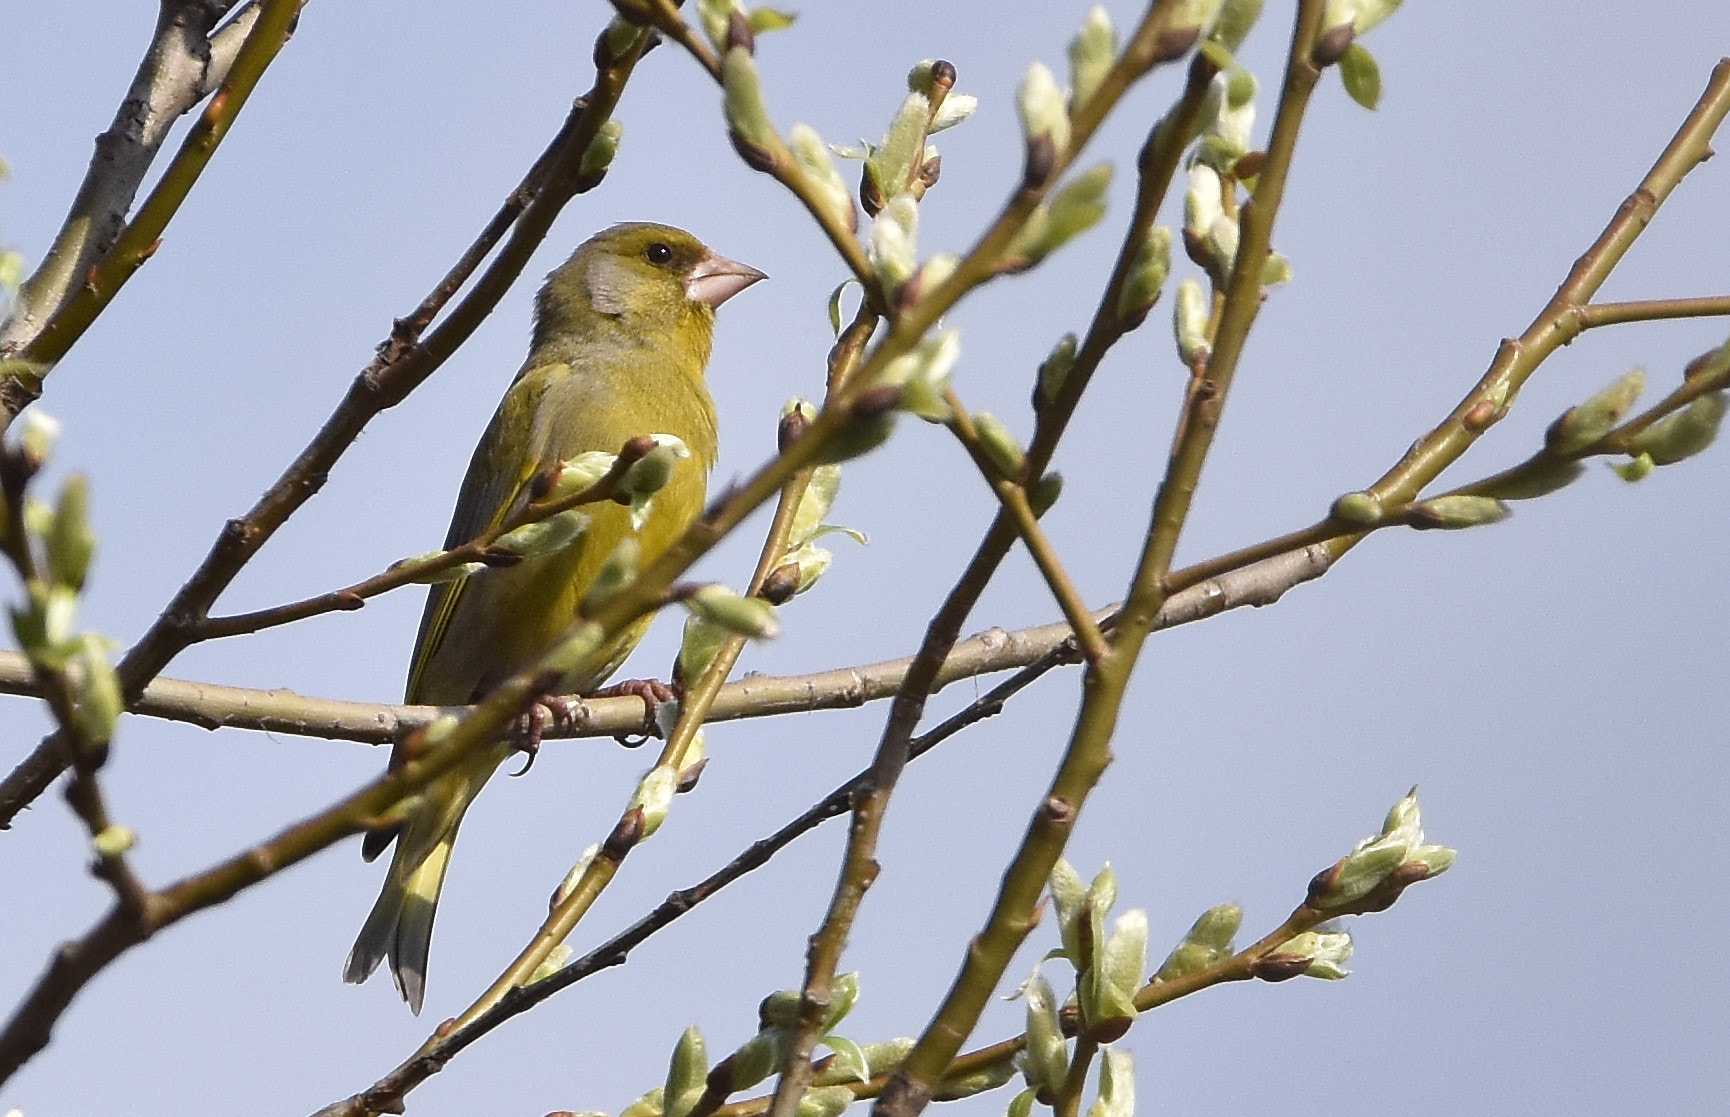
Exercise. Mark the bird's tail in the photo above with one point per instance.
(401, 922)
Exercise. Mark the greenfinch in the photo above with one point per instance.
(622, 334)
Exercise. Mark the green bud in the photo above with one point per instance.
(1230, 115)
(557, 958)
(1275, 270)
(815, 504)
(1046, 1062)
(825, 1101)
(929, 277)
(922, 374)
(1359, 509)
(1436, 860)
(812, 156)
(780, 1009)
(701, 644)
(649, 1105)
(617, 572)
(1076, 208)
(747, 115)
(1454, 512)
(113, 841)
(1201, 200)
(1208, 941)
(749, 617)
(1236, 17)
(1634, 469)
(1044, 493)
(43, 626)
(1044, 116)
(70, 543)
(758, 1058)
(1054, 370)
(1021, 1105)
(96, 690)
(687, 1073)
(1581, 426)
(1147, 274)
(1328, 952)
(812, 561)
(890, 166)
(1361, 75)
(1193, 15)
(1362, 14)
(1092, 53)
(543, 537)
(654, 795)
(843, 995)
(1542, 479)
(1190, 313)
(649, 474)
(859, 437)
(1068, 894)
(1108, 993)
(598, 156)
(1373, 858)
(1682, 434)
(41, 430)
(581, 473)
(894, 243)
(771, 19)
(714, 15)
(978, 1082)
(885, 1057)
(1000, 445)
(584, 860)
(1116, 1085)
(848, 1065)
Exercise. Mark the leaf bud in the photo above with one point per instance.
(999, 444)
(687, 1073)
(113, 841)
(599, 155)
(780, 1009)
(747, 116)
(1544, 477)
(894, 242)
(756, 1059)
(1682, 434)
(1372, 859)
(543, 537)
(1190, 313)
(890, 166)
(715, 15)
(1147, 274)
(1109, 988)
(1044, 118)
(1236, 17)
(812, 157)
(843, 995)
(750, 617)
(1581, 426)
(584, 860)
(1116, 1085)
(1068, 894)
(886, 1057)
(797, 415)
(557, 958)
(847, 1064)
(1208, 940)
(980, 1081)
(1454, 512)
(654, 796)
(1054, 370)
(40, 431)
(1325, 953)
(771, 19)
(1193, 16)
(618, 571)
(1092, 53)
(808, 563)
(1076, 208)
(1634, 469)
(579, 474)
(1021, 1105)
(1046, 1062)
(697, 650)
(869, 428)
(922, 374)
(1361, 76)
(825, 1101)
(96, 690)
(70, 543)
(1360, 509)
(649, 1105)
(1044, 493)
(1230, 114)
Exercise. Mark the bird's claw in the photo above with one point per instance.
(553, 709)
(654, 694)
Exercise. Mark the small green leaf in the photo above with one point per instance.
(1362, 76)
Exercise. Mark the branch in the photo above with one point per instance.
(76, 308)
(403, 364)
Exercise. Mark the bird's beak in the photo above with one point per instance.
(716, 279)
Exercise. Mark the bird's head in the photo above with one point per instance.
(653, 282)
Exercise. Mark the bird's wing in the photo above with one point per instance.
(499, 473)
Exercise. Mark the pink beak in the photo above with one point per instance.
(716, 279)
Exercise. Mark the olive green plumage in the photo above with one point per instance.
(622, 335)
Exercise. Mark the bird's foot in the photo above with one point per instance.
(552, 709)
(654, 694)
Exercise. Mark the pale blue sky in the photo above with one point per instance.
(1554, 684)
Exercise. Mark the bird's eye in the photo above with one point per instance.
(658, 253)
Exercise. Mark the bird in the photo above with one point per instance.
(622, 335)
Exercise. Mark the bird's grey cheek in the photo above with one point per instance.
(606, 293)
